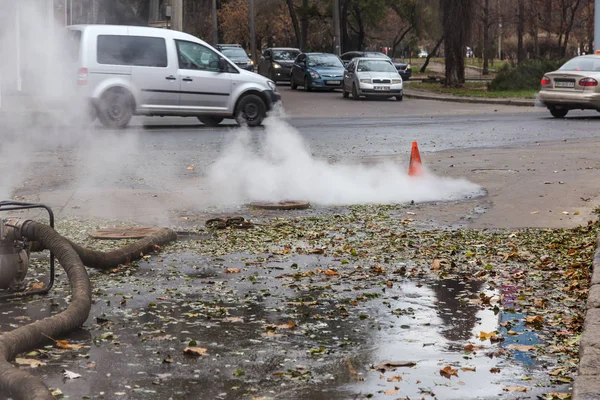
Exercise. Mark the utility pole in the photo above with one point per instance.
(337, 43)
(252, 33)
(597, 25)
(177, 15)
(215, 23)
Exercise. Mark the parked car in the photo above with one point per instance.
(469, 53)
(404, 69)
(372, 77)
(276, 63)
(423, 54)
(317, 71)
(237, 54)
(573, 86)
(132, 70)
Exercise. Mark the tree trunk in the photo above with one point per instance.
(521, 32)
(361, 27)
(304, 25)
(486, 37)
(569, 28)
(344, 25)
(456, 24)
(432, 53)
(294, 17)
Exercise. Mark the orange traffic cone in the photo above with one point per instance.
(415, 168)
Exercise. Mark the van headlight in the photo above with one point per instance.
(272, 85)
(396, 81)
(276, 66)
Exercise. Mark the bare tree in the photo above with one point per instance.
(456, 23)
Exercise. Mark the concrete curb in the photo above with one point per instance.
(411, 93)
(587, 382)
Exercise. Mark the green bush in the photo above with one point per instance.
(526, 75)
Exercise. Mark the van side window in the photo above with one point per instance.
(141, 51)
(196, 56)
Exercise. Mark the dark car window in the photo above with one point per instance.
(324, 60)
(132, 50)
(267, 54)
(285, 55)
(582, 64)
(348, 56)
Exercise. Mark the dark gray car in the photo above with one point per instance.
(276, 63)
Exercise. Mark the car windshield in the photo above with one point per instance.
(376, 54)
(582, 64)
(375, 66)
(234, 52)
(285, 55)
(325, 60)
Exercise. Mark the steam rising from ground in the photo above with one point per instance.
(48, 111)
(284, 169)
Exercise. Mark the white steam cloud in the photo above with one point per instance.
(284, 169)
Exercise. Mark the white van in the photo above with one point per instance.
(132, 70)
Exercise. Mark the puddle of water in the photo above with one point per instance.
(342, 327)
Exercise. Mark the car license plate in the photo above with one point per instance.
(382, 88)
(564, 84)
(334, 82)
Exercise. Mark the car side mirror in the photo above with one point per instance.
(223, 65)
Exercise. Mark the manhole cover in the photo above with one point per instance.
(125, 232)
(282, 205)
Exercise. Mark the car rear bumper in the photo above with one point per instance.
(564, 99)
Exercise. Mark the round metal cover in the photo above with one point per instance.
(282, 205)
(124, 232)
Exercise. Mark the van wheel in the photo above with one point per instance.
(399, 98)
(251, 110)
(210, 121)
(558, 112)
(116, 108)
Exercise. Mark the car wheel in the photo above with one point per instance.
(399, 98)
(251, 110)
(344, 93)
(306, 86)
(558, 112)
(209, 120)
(294, 85)
(116, 108)
(355, 95)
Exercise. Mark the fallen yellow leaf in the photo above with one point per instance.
(448, 371)
(331, 272)
(64, 344)
(230, 270)
(515, 389)
(195, 351)
(33, 363)
(397, 378)
(538, 319)
(390, 392)
(190, 167)
(472, 369)
(520, 347)
(487, 335)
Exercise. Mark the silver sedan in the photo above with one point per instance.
(573, 86)
(372, 77)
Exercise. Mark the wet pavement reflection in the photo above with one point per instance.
(274, 330)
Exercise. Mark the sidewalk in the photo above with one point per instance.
(428, 95)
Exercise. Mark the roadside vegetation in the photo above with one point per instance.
(475, 89)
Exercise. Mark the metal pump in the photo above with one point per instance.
(14, 260)
(14, 253)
